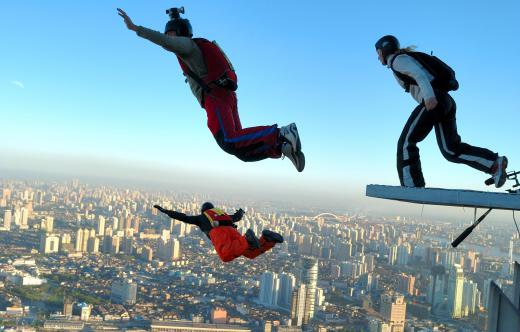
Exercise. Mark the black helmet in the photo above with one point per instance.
(181, 26)
(388, 45)
(206, 206)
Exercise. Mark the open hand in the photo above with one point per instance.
(128, 21)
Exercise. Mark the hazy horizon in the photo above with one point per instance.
(220, 186)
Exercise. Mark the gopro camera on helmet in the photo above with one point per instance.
(181, 26)
(175, 12)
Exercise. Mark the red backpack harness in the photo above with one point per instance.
(220, 70)
(217, 217)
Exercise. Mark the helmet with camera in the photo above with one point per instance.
(181, 26)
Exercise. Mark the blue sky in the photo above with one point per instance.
(77, 88)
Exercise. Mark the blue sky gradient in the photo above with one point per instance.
(75, 84)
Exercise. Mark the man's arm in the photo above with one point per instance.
(194, 220)
(182, 46)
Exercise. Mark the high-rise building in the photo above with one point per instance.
(298, 305)
(485, 294)
(169, 249)
(471, 298)
(86, 309)
(137, 222)
(24, 218)
(343, 251)
(309, 277)
(393, 310)
(287, 283)
(406, 284)
(305, 246)
(49, 243)
(472, 262)
(403, 254)
(6, 193)
(127, 222)
(84, 240)
(370, 261)
(100, 226)
(17, 217)
(66, 238)
(114, 245)
(436, 288)
(68, 306)
(269, 289)
(47, 224)
(93, 245)
(79, 240)
(115, 224)
(128, 245)
(124, 292)
(455, 291)
(175, 249)
(392, 255)
(7, 220)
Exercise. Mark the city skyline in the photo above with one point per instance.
(122, 263)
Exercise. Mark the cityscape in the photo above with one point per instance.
(88, 257)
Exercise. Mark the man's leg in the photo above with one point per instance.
(264, 246)
(451, 145)
(418, 126)
(247, 144)
(267, 241)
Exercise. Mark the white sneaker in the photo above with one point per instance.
(290, 133)
(297, 157)
(499, 169)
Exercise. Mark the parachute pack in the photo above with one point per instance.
(443, 75)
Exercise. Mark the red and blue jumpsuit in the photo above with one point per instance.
(247, 144)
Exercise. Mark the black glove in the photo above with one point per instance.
(170, 213)
(239, 214)
(159, 208)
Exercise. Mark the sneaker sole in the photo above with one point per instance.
(301, 167)
(503, 176)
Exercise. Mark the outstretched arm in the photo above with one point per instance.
(182, 46)
(238, 215)
(194, 220)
